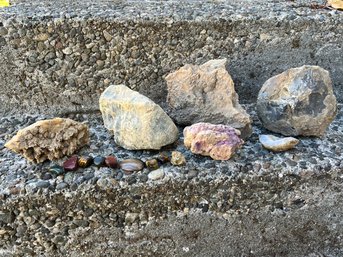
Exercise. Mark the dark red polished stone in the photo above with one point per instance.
(71, 164)
(111, 161)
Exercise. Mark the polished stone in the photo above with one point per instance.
(71, 164)
(152, 164)
(111, 161)
(85, 161)
(163, 158)
(56, 169)
(131, 165)
(99, 161)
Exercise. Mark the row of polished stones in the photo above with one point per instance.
(128, 166)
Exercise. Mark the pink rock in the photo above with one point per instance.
(217, 141)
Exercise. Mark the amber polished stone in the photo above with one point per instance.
(85, 161)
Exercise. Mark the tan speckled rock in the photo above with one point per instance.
(299, 101)
(217, 141)
(206, 93)
(136, 121)
(278, 144)
(49, 139)
(337, 4)
(177, 159)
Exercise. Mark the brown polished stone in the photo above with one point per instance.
(111, 161)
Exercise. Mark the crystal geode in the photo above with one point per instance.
(217, 141)
(49, 139)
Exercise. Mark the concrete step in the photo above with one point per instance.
(256, 204)
(58, 56)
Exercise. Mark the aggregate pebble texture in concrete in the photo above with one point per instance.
(65, 53)
(256, 191)
(56, 57)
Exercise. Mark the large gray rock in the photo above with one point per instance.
(206, 93)
(299, 101)
(136, 121)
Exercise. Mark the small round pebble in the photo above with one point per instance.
(156, 174)
(56, 169)
(152, 164)
(71, 164)
(163, 158)
(99, 161)
(85, 161)
(61, 186)
(178, 159)
(42, 184)
(111, 161)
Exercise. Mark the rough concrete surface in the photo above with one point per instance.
(258, 203)
(58, 56)
(63, 54)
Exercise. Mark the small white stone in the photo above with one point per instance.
(156, 174)
(67, 51)
(278, 144)
(131, 217)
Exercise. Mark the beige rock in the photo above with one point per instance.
(177, 159)
(136, 121)
(206, 93)
(278, 144)
(41, 37)
(219, 142)
(299, 101)
(49, 139)
(337, 4)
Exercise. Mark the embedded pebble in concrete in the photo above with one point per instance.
(156, 174)
(252, 162)
(77, 216)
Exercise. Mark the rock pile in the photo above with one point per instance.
(218, 141)
(206, 93)
(299, 101)
(49, 139)
(135, 120)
